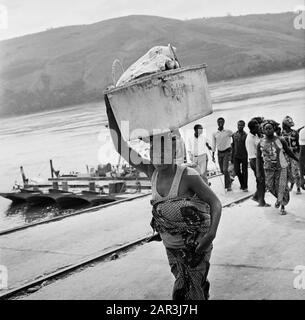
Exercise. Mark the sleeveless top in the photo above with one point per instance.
(273, 154)
(179, 220)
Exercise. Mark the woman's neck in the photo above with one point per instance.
(169, 170)
(270, 137)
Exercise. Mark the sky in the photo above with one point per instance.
(20, 17)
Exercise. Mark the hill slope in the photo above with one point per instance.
(72, 65)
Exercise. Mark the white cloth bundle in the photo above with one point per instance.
(157, 59)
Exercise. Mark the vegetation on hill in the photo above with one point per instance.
(72, 65)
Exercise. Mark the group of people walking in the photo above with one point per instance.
(230, 147)
(185, 210)
(272, 152)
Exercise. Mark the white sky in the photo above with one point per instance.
(30, 16)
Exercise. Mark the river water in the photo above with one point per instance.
(75, 136)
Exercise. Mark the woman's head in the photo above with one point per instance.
(163, 150)
(288, 122)
(269, 127)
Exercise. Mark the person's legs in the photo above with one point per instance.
(253, 167)
(206, 166)
(200, 168)
(202, 162)
(203, 166)
(270, 182)
(295, 170)
(190, 281)
(259, 194)
(237, 163)
(220, 161)
(282, 187)
(244, 172)
(262, 190)
(225, 166)
(177, 269)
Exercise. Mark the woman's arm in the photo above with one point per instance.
(196, 184)
(121, 146)
(302, 165)
(259, 163)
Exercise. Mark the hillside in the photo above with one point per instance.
(72, 65)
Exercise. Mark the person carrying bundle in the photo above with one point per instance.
(186, 212)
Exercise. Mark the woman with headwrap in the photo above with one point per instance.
(271, 159)
(292, 138)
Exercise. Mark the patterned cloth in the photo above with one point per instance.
(181, 216)
(293, 172)
(187, 220)
(276, 183)
(292, 139)
(191, 281)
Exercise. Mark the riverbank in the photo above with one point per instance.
(43, 249)
(77, 136)
(255, 253)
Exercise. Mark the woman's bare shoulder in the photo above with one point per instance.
(191, 171)
(190, 174)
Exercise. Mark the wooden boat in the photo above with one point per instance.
(63, 199)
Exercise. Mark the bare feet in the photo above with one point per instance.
(254, 199)
(283, 211)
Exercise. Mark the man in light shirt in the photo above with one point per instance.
(252, 141)
(221, 140)
(197, 150)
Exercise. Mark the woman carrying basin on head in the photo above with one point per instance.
(186, 212)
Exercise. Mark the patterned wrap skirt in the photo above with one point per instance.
(191, 219)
